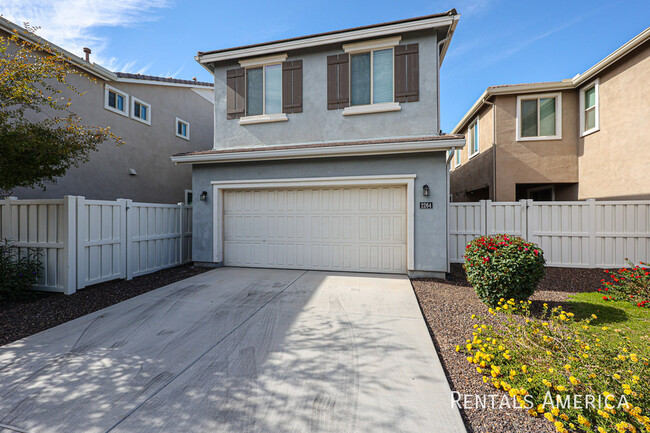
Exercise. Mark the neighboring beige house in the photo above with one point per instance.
(573, 139)
(156, 117)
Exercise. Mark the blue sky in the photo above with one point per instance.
(497, 42)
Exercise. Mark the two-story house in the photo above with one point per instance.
(573, 139)
(327, 153)
(155, 116)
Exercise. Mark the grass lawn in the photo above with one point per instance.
(619, 317)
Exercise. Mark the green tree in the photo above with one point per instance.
(33, 78)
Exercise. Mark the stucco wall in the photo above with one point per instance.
(147, 149)
(430, 168)
(544, 161)
(475, 172)
(316, 123)
(614, 161)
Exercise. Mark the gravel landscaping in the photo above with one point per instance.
(38, 311)
(447, 306)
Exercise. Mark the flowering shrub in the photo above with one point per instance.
(503, 266)
(17, 273)
(575, 374)
(628, 284)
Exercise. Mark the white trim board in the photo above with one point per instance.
(321, 152)
(409, 26)
(218, 187)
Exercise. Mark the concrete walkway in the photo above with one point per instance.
(236, 350)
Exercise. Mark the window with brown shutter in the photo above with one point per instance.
(338, 81)
(292, 87)
(236, 99)
(407, 73)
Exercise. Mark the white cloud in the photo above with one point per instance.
(72, 24)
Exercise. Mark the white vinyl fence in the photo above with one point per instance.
(587, 234)
(83, 242)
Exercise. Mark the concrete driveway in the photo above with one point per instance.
(236, 350)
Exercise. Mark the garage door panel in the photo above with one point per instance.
(352, 228)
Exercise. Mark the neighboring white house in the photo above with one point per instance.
(327, 153)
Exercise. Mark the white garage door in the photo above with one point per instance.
(347, 229)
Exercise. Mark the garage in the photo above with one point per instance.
(341, 228)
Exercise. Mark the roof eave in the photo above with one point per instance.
(429, 23)
(322, 152)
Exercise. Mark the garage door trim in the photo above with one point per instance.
(218, 187)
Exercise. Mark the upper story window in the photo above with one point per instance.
(116, 101)
(457, 158)
(182, 129)
(589, 113)
(539, 117)
(371, 77)
(140, 111)
(264, 90)
(472, 139)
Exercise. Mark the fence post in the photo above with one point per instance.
(592, 232)
(487, 221)
(82, 225)
(181, 219)
(70, 245)
(126, 236)
(5, 229)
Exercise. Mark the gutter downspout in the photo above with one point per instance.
(440, 44)
(452, 152)
(494, 148)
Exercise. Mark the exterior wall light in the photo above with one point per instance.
(426, 191)
(204, 196)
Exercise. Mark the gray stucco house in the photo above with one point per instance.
(327, 152)
(155, 116)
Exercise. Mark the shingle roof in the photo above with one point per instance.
(450, 12)
(326, 144)
(162, 79)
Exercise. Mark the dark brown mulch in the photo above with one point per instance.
(40, 311)
(447, 306)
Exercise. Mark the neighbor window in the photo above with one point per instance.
(371, 77)
(538, 117)
(264, 90)
(472, 138)
(589, 118)
(141, 111)
(182, 129)
(457, 161)
(116, 101)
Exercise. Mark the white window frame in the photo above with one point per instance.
(107, 89)
(176, 129)
(146, 121)
(595, 84)
(188, 192)
(457, 156)
(371, 47)
(476, 139)
(263, 62)
(558, 116)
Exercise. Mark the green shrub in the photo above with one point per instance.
(503, 267)
(18, 272)
(628, 284)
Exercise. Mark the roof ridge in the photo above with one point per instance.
(162, 79)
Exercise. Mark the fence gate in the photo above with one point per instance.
(84, 242)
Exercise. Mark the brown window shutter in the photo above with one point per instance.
(292, 87)
(236, 99)
(407, 73)
(338, 81)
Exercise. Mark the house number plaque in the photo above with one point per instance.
(426, 205)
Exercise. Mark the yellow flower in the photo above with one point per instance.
(549, 417)
(547, 383)
(617, 376)
(564, 416)
(532, 412)
(524, 368)
(574, 380)
(555, 411)
(561, 388)
(473, 316)
(457, 348)
(551, 370)
(601, 430)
